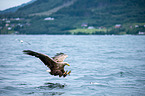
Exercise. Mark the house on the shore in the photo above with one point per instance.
(48, 18)
(84, 25)
(141, 33)
(136, 26)
(118, 26)
(91, 27)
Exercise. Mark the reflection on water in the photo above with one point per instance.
(50, 86)
(48, 89)
(45, 93)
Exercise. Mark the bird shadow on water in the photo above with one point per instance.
(50, 86)
(45, 93)
(48, 89)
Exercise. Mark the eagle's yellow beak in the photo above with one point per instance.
(67, 64)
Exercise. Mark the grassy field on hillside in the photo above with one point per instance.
(87, 31)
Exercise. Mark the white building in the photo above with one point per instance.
(117, 25)
(91, 27)
(141, 33)
(17, 19)
(136, 26)
(49, 18)
(9, 28)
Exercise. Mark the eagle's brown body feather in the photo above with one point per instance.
(56, 64)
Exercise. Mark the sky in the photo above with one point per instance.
(5, 4)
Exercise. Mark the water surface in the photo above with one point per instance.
(101, 65)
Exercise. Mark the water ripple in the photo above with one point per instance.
(101, 66)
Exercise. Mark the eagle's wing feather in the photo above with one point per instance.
(59, 57)
(44, 58)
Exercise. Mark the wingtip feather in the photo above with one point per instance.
(29, 52)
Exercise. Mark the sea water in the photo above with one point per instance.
(101, 65)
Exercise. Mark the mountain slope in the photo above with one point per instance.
(103, 12)
(51, 11)
(14, 9)
(39, 6)
(96, 13)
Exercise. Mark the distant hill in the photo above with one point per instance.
(10, 10)
(40, 6)
(14, 9)
(97, 13)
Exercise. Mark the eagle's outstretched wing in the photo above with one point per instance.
(44, 58)
(59, 57)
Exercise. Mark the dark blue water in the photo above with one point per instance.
(101, 65)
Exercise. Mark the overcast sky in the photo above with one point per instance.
(5, 4)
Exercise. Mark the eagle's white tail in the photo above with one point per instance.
(48, 70)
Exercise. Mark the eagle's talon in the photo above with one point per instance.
(69, 72)
(65, 73)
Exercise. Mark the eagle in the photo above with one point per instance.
(55, 63)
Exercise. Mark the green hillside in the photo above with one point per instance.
(76, 16)
(39, 6)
